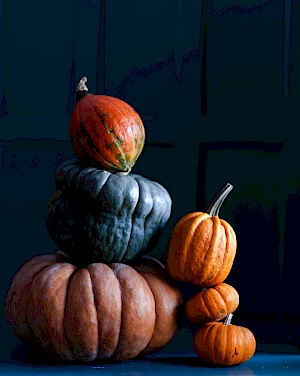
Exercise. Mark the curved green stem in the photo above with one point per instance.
(227, 320)
(215, 206)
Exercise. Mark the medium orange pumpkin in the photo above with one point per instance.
(97, 312)
(105, 131)
(224, 344)
(212, 304)
(202, 246)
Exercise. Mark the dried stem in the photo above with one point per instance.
(81, 89)
(227, 320)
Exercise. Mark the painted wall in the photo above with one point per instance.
(149, 54)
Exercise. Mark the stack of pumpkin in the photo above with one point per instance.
(201, 252)
(99, 296)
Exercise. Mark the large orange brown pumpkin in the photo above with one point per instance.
(105, 131)
(202, 246)
(212, 304)
(96, 312)
(224, 344)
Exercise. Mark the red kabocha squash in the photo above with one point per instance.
(202, 246)
(96, 312)
(212, 304)
(105, 131)
(224, 344)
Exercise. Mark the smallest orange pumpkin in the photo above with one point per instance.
(224, 344)
(212, 304)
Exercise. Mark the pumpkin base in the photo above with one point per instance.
(95, 313)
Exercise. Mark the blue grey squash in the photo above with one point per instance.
(98, 216)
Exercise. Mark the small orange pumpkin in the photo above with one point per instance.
(212, 304)
(224, 344)
(202, 246)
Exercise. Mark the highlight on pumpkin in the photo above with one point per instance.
(105, 131)
(202, 246)
(224, 344)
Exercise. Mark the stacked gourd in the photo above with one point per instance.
(201, 252)
(98, 297)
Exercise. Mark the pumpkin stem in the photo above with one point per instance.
(215, 206)
(227, 320)
(122, 172)
(81, 89)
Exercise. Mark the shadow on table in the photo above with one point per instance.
(21, 354)
(27, 355)
(35, 356)
(195, 362)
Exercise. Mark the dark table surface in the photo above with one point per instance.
(181, 364)
(16, 358)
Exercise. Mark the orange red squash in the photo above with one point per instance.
(105, 131)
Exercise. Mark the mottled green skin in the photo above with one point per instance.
(97, 216)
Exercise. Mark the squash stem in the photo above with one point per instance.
(215, 206)
(81, 89)
(122, 172)
(227, 320)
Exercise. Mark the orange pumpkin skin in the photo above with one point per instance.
(168, 301)
(106, 132)
(201, 250)
(202, 247)
(213, 304)
(97, 312)
(224, 345)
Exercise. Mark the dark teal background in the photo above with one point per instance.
(151, 55)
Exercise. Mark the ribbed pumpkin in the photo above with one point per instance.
(212, 304)
(224, 344)
(105, 131)
(96, 312)
(202, 246)
(97, 216)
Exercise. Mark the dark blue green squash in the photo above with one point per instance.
(98, 216)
